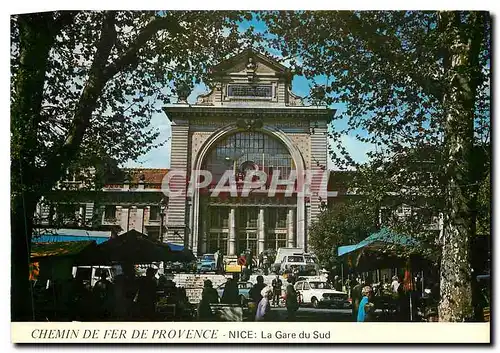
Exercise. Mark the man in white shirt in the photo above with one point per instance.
(395, 284)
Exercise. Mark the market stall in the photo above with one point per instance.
(399, 254)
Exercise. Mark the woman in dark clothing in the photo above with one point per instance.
(231, 293)
(146, 295)
(208, 296)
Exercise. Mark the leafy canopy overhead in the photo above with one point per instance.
(392, 70)
(141, 59)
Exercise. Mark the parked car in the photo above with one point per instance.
(231, 266)
(207, 263)
(92, 274)
(243, 290)
(319, 293)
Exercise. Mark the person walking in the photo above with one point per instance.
(217, 261)
(125, 288)
(221, 267)
(255, 292)
(365, 309)
(103, 297)
(395, 284)
(146, 295)
(276, 284)
(292, 303)
(337, 283)
(249, 261)
(263, 312)
(231, 293)
(208, 296)
(356, 297)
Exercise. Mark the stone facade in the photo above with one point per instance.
(252, 97)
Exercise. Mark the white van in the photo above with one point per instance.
(92, 274)
(281, 253)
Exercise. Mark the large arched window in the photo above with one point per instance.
(249, 150)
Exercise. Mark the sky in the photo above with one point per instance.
(160, 157)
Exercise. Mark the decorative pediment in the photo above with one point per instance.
(250, 79)
(249, 61)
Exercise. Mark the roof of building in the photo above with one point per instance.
(146, 175)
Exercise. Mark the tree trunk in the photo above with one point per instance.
(21, 218)
(461, 189)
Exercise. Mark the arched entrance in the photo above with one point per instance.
(257, 222)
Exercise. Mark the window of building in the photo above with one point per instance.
(154, 213)
(248, 217)
(281, 241)
(217, 241)
(69, 214)
(275, 241)
(270, 242)
(235, 152)
(219, 217)
(281, 215)
(110, 212)
(276, 217)
(247, 241)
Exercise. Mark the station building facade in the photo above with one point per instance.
(250, 121)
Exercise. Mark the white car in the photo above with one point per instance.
(319, 293)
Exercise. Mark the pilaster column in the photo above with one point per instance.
(261, 232)
(139, 220)
(124, 219)
(232, 232)
(290, 228)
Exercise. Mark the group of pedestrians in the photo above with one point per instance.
(260, 295)
(263, 294)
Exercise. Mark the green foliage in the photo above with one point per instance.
(345, 223)
(484, 207)
(85, 84)
(391, 70)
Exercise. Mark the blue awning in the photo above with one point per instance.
(384, 236)
(175, 247)
(63, 235)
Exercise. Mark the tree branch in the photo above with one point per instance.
(129, 57)
(88, 100)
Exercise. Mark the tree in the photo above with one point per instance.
(411, 80)
(83, 88)
(346, 222)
